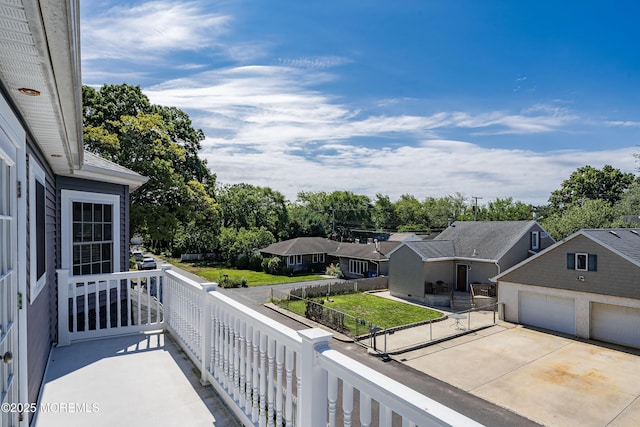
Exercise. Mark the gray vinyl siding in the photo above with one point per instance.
(614, 276)
(406, 273)
(480, 272)
(41, 312)
(443, 271)
(521, 250)
(66, 183)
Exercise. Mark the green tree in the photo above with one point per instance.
(441, 210)
(384, 214)
(589, 183)
(236, 244)
(121, 125)
(590, 214)
(341, 211)
(506, 210)
(412, 215)
(248, 206)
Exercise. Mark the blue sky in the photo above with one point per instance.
(429, 98)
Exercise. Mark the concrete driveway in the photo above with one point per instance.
(549, 379)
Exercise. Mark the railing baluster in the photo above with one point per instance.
(242, 363)
(347, 403)
(278, 385)
(108, 302)
(97, 302)
(256, 375)
(271, 350)
(385, 416)
(288, 410)
(365, 410)
(332, 397)
(86, 305)
(263, 380)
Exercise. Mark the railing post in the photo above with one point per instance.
(63, 308)
(205, 330)
(312, 403)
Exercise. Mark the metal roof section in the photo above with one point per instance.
(40, 71)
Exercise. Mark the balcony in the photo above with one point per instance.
(181, 349)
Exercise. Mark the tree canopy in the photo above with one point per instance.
(121, 125)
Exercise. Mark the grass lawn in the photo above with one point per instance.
(213, 273)
(382, 312)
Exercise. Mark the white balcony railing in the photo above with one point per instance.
(268, 374)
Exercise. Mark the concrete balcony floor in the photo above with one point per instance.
(134, 380)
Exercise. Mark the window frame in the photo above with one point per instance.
(363, 266)
(68, 197)
(586, 261)
(37, 176)
(298, 259)
(535, 240)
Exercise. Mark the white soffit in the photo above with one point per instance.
(39, 48)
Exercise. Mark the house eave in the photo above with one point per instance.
(114, 177)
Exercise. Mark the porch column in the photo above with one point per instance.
(312, 403)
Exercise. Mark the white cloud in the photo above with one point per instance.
(149, 30)
(623, 123)
(433, 168)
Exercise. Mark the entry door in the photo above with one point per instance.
(8, 287)
(461, 278)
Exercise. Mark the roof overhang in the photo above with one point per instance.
(40, 50)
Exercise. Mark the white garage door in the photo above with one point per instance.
(546, 311)
(616, 324)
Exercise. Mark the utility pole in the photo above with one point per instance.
(475, 207)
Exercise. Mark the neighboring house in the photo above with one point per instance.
(364, 260)
(60, 207)
(586, 285)
(303, 254)
(466, 252)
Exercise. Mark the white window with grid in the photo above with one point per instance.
(90, 232)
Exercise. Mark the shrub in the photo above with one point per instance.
(334, 270)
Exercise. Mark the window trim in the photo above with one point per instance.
(68, 197)
(36, 284)
(298, 259)
(364, 266)
(535, 238)
(291, 260)
(586, 261)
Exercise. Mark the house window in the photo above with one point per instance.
(37, 229)
(90, 234)
(535, 240)
(92, 238)
(318, 258)
(582, 262)
(358, 267)
(291, 259)
(298, 259)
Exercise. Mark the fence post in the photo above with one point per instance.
(312, 403)
(205, 330)
(63, 308)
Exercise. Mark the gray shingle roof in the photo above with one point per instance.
(624, 240)
(433, 248)
(301, 246)
(484, 239)
(365, 251)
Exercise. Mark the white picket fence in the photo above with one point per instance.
(268, 374)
